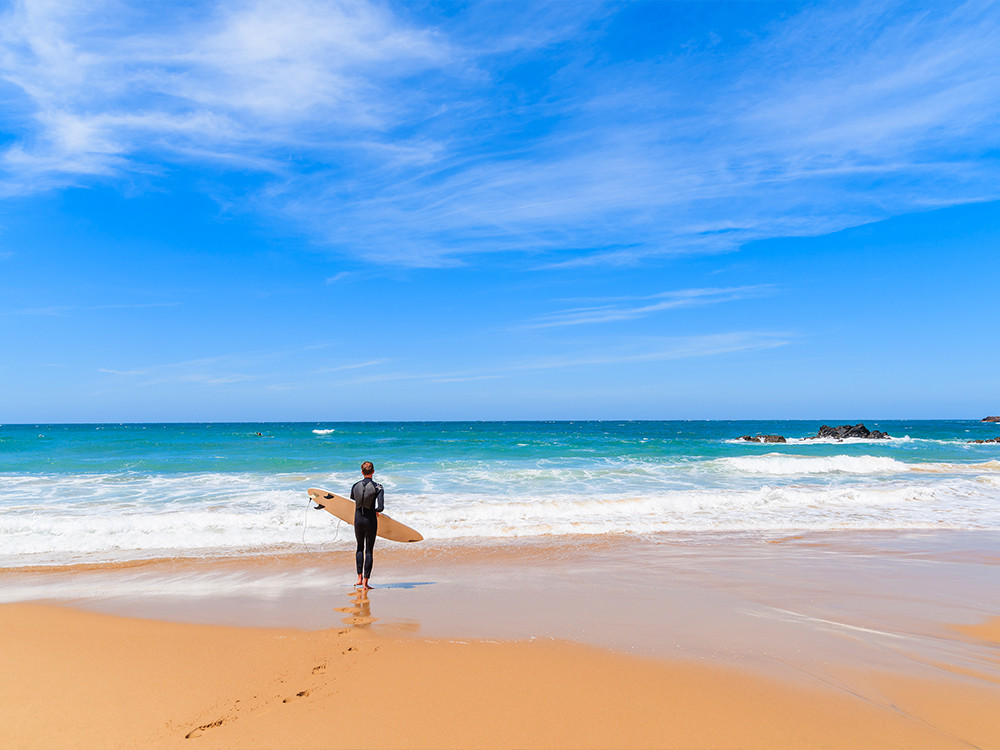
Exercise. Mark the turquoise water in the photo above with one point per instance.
(107, 492)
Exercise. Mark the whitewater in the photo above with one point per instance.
(105, 493)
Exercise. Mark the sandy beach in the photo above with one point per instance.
(661, 328)
(843, 641)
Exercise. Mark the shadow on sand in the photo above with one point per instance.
(407, 585)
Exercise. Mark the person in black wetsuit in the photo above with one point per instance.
(369, 499)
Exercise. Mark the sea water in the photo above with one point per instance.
(110, 492)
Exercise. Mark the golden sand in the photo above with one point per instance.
(80, 679)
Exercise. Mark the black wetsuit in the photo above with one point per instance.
(369, 497)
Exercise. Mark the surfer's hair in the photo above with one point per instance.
(367, 468)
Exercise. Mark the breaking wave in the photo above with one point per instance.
(111, 517)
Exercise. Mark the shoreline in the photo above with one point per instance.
(826, 639)
(538, 545)
(757, 593)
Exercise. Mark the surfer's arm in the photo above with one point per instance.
(380, 500)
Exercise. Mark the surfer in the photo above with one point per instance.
(369, 501)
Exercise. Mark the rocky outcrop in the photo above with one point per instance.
(763, 438)
(850, 431)
(990, 419)
(988, 440)
(842, 432)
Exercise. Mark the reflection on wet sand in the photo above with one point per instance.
(360, 612)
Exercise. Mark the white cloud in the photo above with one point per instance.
(810, 137)
(351, 366)
(232, 367)
(648, 349)
(465, 378)
(405, 143)
(65, 310)
(637, 307)
(56, 311)
(105, 90)
(109, 371)
(662, 349)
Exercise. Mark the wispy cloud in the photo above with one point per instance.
(630, 308)
(399, 138)
(464, 378)
(109, 90)
(667, 348)
(268, 367)
(881, 114)
(644, 350)
(339, 276)
(211, 371)
(351, 366)
(66, 310)
(110, 371)
(55, 311)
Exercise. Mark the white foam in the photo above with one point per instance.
(323, 432)
(842, 441)
(892, 440)
(780, 464)
(121, 516)
(277, 518)
(849, 441)
(895, 505)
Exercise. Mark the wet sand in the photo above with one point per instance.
(712, 640)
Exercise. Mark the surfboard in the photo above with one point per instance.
(343, 508)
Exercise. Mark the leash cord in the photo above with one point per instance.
(305, 522)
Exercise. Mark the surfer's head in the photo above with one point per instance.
(367, 468)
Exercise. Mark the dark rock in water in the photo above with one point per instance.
(764, 438)
(845, 431)
(990, 419)
(988, 440)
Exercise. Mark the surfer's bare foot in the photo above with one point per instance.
(366, 586)
(360, 581)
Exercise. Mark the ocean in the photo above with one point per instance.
(98, 493)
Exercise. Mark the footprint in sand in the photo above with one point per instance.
(358, 622)
(303, 694)
(197, 732)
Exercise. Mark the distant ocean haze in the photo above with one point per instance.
(99, 493)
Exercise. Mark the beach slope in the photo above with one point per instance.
(80, 679)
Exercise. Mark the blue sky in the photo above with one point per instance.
(319, 211)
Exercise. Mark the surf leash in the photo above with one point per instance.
(305, 521)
